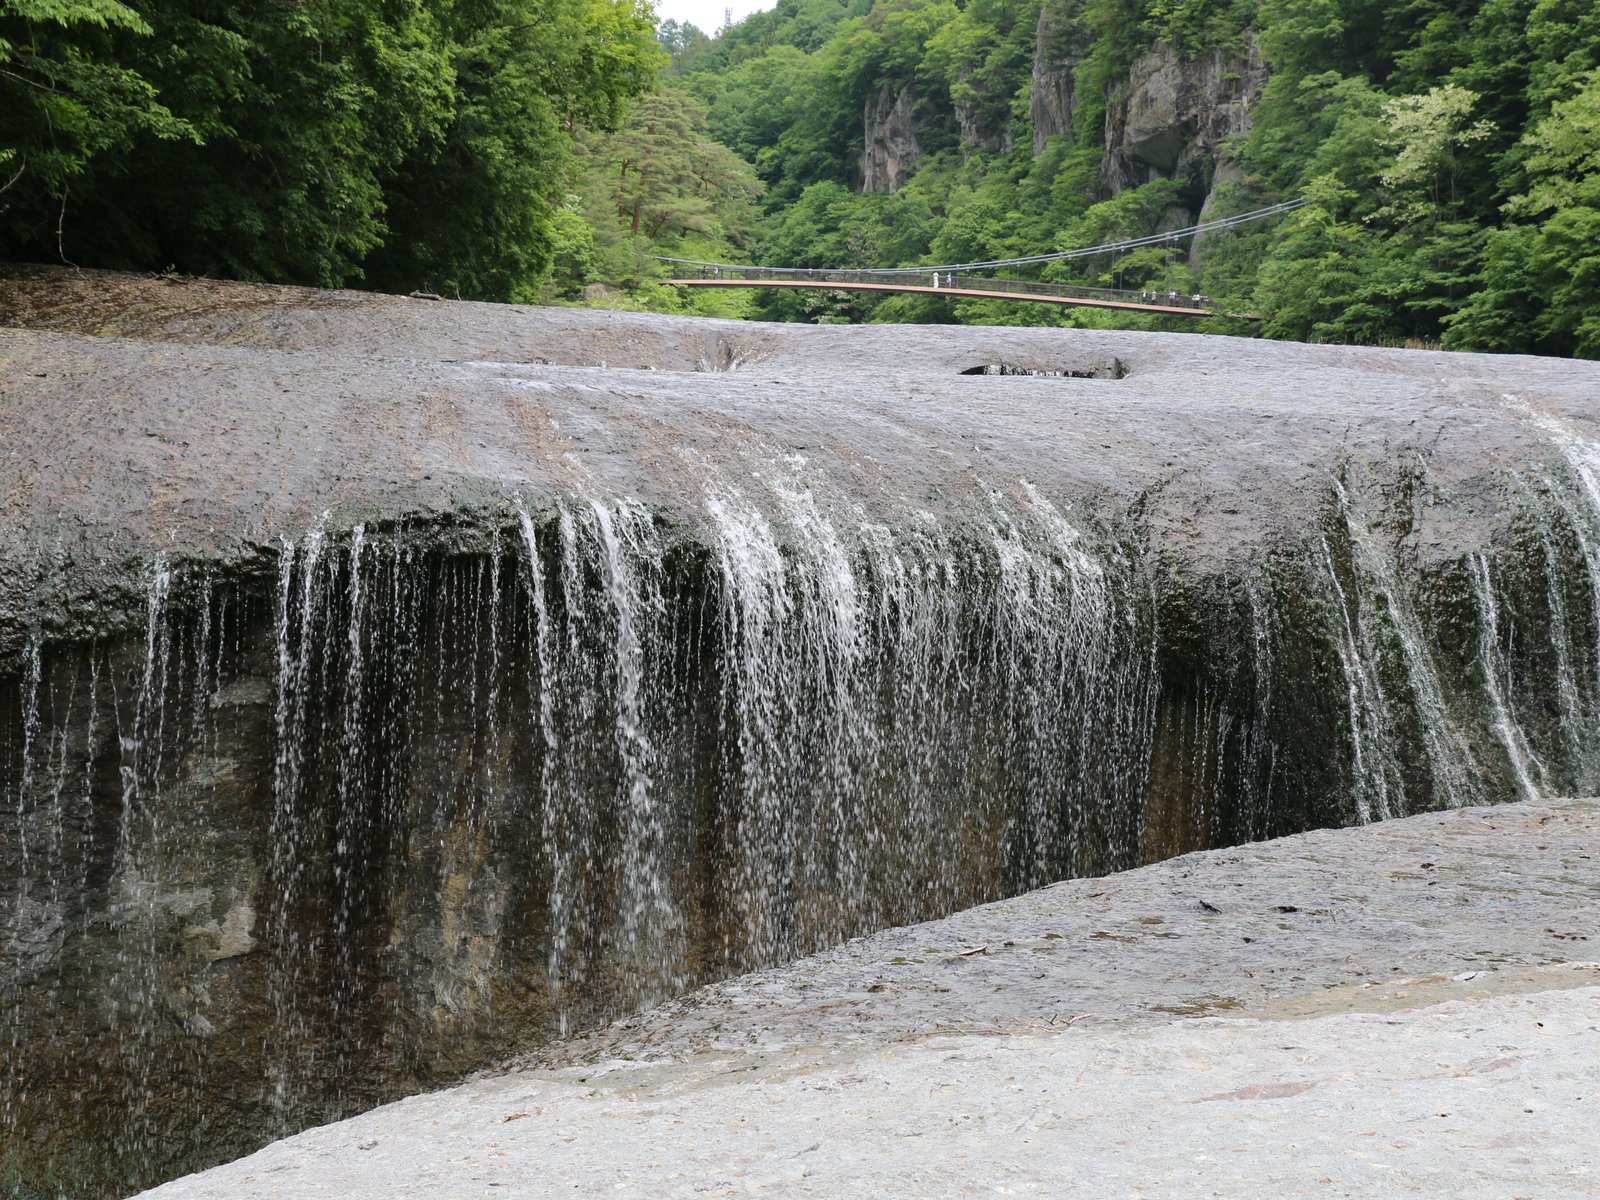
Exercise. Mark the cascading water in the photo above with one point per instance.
(1384, 603)
(1496, 681)
(1579, 512)
(1370, 737)
(405, 797)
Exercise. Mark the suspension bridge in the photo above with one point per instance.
(972, 279)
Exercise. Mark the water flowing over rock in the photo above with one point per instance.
(391, 685)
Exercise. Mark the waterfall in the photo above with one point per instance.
(137, 900)
(1581, 509)
(1496, 681)
(1452, 767)
(1370, 737)
(406, 795)
(630, 560)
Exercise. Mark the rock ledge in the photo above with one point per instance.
(1406, 1008)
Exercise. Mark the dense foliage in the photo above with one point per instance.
(1450, 150)
(397, 142)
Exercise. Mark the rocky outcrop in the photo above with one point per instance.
(979, 129)
(892, 150)
(1176, 116)
(1420, 967)
(386, 684)
(1053, 100)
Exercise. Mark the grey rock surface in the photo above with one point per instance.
(1355, 583)
(1177, 115)
(979, 130)
(233, 415)
(1053, 98)
(1411, 1008)
(891, 151)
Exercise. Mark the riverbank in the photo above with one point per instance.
(1410, 1007)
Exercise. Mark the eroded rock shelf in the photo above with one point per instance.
(388, 686)
(1409, 1008)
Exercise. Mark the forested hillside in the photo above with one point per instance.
(398, 144)
(506, 149)
(1450, 148)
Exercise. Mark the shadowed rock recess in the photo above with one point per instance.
(387, 685)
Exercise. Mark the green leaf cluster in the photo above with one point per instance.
(1448, 150)
(398, 143)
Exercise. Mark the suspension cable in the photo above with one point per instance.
(1153, 239)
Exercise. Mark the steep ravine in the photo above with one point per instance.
(391, 685)
(1171, 115)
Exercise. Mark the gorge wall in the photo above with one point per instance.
(390, 685)
(1171, 116)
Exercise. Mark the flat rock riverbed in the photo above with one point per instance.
(1407, 1008)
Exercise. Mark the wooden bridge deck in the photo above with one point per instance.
(987, 289)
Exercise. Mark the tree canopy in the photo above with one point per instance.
(521, 149)
(394, 142)
(1447, 149)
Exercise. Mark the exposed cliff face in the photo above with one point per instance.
(978, 129)
(892, 149)
(1053, 100)
(1172, 118)
(1176, 116)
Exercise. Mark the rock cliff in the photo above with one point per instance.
(1171, 117)
(892, 150)
(1176, 116)
(1170, 1023)
(978, 129)
(1053, 100)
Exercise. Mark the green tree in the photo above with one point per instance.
(1541, 281)
(1425, 133)
(662, 172)
(681, 38)
(1322, 280)
(471, 216)
(406, 142)
(573, 258)
(66, 102)
(830, 226)
(304, 116)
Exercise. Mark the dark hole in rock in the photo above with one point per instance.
(1110, 368)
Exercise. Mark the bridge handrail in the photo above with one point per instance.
(1117, 247)
(948, 281)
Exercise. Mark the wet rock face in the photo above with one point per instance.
(312, 846)
(892, 150)
(1379, 970)
(1176, 115)
(417, 688)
